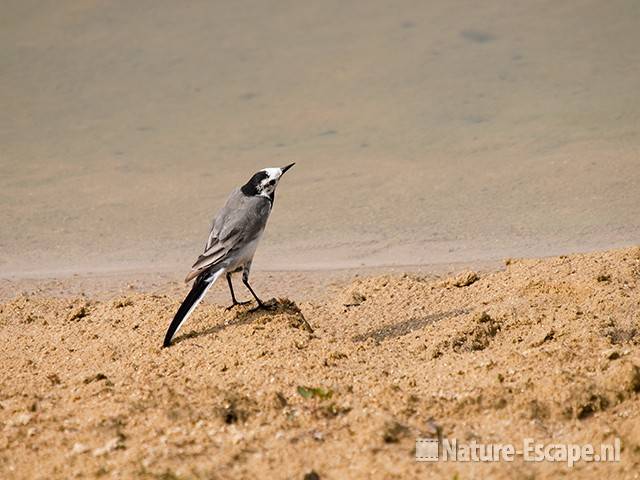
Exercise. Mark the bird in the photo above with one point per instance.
(232, 243)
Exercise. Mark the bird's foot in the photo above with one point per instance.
(236, 304)
(270, 306)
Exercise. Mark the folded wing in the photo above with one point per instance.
(237, 223)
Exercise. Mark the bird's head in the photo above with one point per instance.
(264, 182)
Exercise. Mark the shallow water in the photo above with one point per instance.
(424, 132)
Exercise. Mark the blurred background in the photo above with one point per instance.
(423, 132)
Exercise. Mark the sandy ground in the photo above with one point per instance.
(424, 132)
(430, 138)
(548, 349)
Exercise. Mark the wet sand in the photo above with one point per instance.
(424, 132)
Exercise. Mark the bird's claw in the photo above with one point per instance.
(236, 304)
(263, 306)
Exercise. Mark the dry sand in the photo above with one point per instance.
(548, 349)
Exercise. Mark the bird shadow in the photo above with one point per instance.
(249, 315)
(407, 326)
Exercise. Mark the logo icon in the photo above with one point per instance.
(427, 450)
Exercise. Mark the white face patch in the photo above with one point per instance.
(273, 172)
(268, 184)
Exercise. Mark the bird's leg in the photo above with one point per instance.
(233, 296)
(245, 280)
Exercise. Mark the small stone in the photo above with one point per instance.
(98, 377)
(78, 313)
(355, 300)
(115, 443)
(21, 419)
(611, 354)
(79, 448)
(465, 279)
(123, 302)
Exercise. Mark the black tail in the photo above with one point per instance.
(198, 290)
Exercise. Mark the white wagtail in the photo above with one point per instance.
(232, 242)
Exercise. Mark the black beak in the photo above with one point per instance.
(284, 169)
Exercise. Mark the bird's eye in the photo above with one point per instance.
(272, 182)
